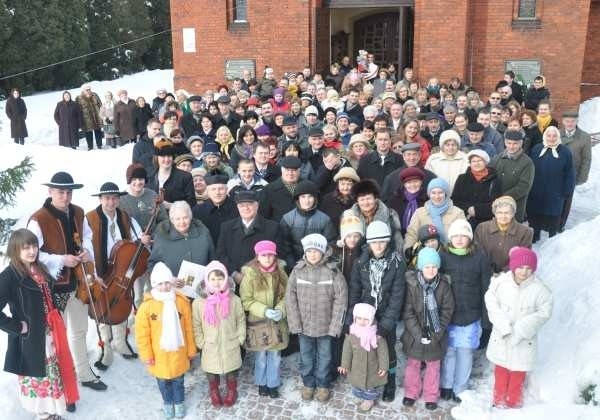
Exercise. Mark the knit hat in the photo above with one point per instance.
(428, 256)
(342, 115)
(279, 91)
(427, 232)
(350, 223)
(265, 247)
(215, 266)
(365, 187)
(460, 227)
(408, 174)
(438, 183)
(514, 135)
(364, 310)
(306, 187)
(347, 172)
(520, 256)
(192, 139)
(475, 127)
(200, 171)
(160, 274)
(449, 135)
(263, 130)
(314, 241)
(311, 109)
(378, 231)
(505, 200)
(136, 171)
(478, 152)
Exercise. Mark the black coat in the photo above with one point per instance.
(236, 247)
(276, 201)
(399, 202)
(332, 205)
(25, 353)
(356, 114)
(389, 309)
(178, 187)
(190, 125)
(470, 278)
(17, 113)
(323, 177)
(271, 174)
(214, 216)
(533, 136)
(143, 153)
(534, 96)
(140, 119)
(469, 192)
(67, 115)
(370, 166)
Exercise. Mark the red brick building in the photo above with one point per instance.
(475, 40)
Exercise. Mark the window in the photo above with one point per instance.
(526, 9)
(527, 14)
(240, 10)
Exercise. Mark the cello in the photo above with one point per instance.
(128, 261)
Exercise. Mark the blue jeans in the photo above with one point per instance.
(456, 368)
(315, 360)
(171, 390)
(266, 368)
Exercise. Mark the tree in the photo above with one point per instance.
(160, 54)
(103, 34)
(11, 181)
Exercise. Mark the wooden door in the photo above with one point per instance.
(378, 34)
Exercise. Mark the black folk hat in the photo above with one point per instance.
(109, 188)
(63, 181)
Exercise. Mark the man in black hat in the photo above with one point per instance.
(238, 236)
(227, 118)
(290, 130)
(219, 207)
(278, 197)
(433, 130)
(314, 153)
(109, 224)
(190, 122)
(65, 242)
(473, 139)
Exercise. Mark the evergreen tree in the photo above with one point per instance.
(160, 54)
(103, 34)
(73, 20)
(133, 21)
(11, 181)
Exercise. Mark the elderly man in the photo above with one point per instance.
(311, 117)
(218, 208)
(278, 197)
(314, 153)
(190, 122)
(90, 111)
(227, 118)
(474, 140)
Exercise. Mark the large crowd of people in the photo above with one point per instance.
(327, 210)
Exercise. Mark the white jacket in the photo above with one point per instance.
(448, 167)
(517, 312)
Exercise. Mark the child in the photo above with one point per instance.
(365, 356)
(427, 311)
(163, 333)
(219, 331)
(428, 236)
(315, 300)
(470, 271)
(518, 304)
(262, 292)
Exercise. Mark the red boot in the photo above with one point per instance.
(213, 387)
(231, 396)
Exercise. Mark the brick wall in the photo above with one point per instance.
(591, 73)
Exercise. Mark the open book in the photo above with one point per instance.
(192, 274)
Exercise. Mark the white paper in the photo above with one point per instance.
(192, 274)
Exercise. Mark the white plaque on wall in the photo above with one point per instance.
(189, 40)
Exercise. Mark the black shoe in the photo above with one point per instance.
(100, 366)
(273, 392)
(96, 385)
(389, 391)
(446, 394)
(71, 408)
(263, 391)
(408, 402)
(130, 356)
(431, 406)
(456, 398)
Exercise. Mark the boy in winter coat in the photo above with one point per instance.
(164, 337)
(316, 299)
(378, 279)
(427, 311)
(365, 357)
(219, 331)
(518, 304)
(263, 296)
(470, 272)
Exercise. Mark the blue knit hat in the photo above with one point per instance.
(428, 256)
(438, 183)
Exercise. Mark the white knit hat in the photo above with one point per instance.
(460, 227)
(314, 241)
(449, 135)
(478, 152)
(378, 231)
(350, 223)
(160, 274)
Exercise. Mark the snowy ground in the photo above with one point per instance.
(569, 345)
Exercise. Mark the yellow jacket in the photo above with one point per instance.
(148, 329)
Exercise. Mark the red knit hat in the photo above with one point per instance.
(408, 174)
(520, 256)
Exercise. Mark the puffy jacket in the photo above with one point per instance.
(148, 329)
(387, 216)
(363, 365)
(448, 167)
(478, 194)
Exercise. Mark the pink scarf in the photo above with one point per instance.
(270, 269)
(220, 299)
(367, 335)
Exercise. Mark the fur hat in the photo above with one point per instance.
(449, 135)
(314, 241)
(428, 256)
(520, 256)
(378, 231)
(460, 227)
(306, 187)
(136, 171)
(364, 310)
(160, 274)
(347, 172)
(365, 187)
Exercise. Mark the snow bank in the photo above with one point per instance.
(589, 115)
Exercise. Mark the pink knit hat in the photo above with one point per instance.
(265, 247)
(520, 256)
(364, 310)
(215, 266)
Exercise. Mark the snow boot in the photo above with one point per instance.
(215, 396)
(168, 411)
(180, 411)
(446, 394)
(231, 396)
(389, 391)
(431, 406)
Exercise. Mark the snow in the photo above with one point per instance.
(569, 344)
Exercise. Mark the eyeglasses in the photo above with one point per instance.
(494, 98)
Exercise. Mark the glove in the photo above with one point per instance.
(278, 315)
(272, 314)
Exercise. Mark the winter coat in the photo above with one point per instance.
(516, 178)
(90, 111)
(67, 115)
(148, 329)
(548, 198)
(517, 313)
(141, 116)
(295, 225)
(157, 104)
(16, 110)
(355, 113)
(143, 153)
(333, 205)
(235, 246)
(256, 299)
(25, 353)
(493, 137)
(171, 247)
(316, 299)
(479, 194)
(467, 146)
(387, 216)
(370, 166)
(265, 87)
(447, 167)
(214, 217)
(532, 138)
(470, 275)
(398, 203)
(534, 96)
(391, 292)
(220, 344)
(422, 217)
(107, 115)
(392, 182)
(276, 200)
(496, 243)
(580, 145)
(124, 119)
(191, 125)
(235, 185)
(414, 322)
(363, 365)
(178, 187)
(323, 177)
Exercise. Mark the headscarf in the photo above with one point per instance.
(366, 334)
(216, 298)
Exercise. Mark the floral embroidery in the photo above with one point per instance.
(49, 386)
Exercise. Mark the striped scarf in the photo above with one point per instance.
(430, 309)
(376, 269)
